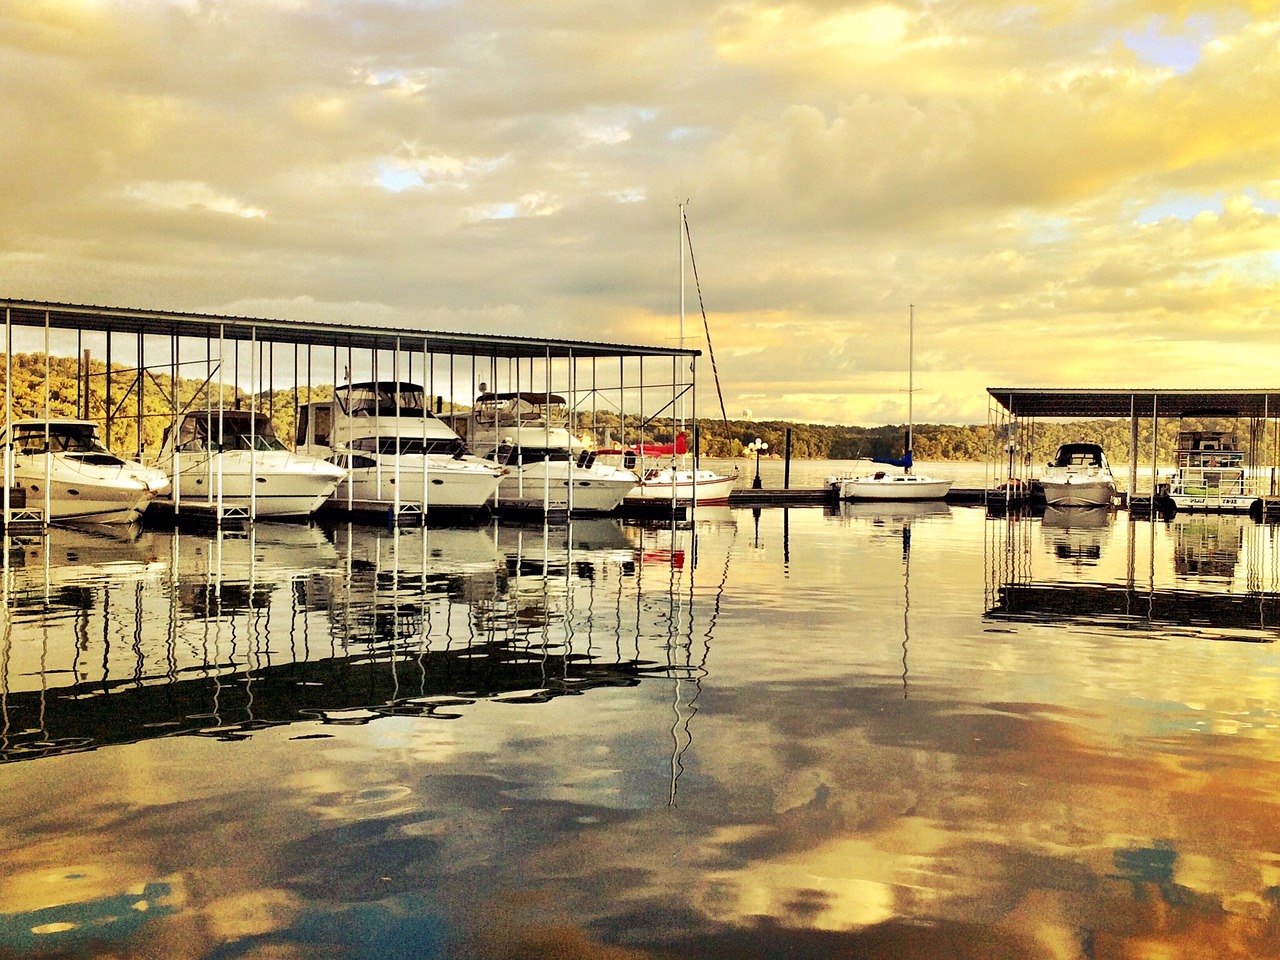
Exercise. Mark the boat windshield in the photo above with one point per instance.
(73, 438)
(201, 432)
(383, 400)
(449, 446)
(1078, 455)
(528, 407)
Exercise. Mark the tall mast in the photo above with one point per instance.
(679, 411)
(911, 346)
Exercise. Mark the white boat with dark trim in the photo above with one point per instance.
(1211, 473)
(64, 460)
(529, 431)
(234, 458)
(1078, 476)
(883, 485)
(388, 440)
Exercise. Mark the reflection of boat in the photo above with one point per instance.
(65, 459)
(1207, 546)
(893, 510)
(433, 549)
(233, 458)
(882, 485)
(1076, 534)
(590, 538)
(1078, 476)
(385, 437)
(1210, 473)
(530, 430)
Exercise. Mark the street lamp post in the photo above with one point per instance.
(757, 445)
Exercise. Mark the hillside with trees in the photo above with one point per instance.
(140, 407)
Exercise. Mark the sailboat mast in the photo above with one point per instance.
(911, 392)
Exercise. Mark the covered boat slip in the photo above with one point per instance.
(138, 372)
(1229, 468)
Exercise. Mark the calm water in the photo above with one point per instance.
(899, 732)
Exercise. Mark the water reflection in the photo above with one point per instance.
(224, 635)
(1181, 574)
(1077, 534)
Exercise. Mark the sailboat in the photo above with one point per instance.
(674, 480)
(883, 485)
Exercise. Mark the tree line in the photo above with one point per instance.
(139, 406)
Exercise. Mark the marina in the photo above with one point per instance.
(309, 735)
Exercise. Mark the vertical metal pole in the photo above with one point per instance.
(253, 423)
(222, 353)
(8, 420)
(48, 449)
(142, 367)
(396, 393)
(1133, 450)
(1155, 436)
(106, 426)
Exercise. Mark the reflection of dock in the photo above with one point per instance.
(351, 689)
(1258, 614)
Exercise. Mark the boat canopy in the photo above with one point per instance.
(240, 430)
(1078, 455)
(385, 398)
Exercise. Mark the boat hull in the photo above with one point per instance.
(683, 486)
(450, 484)
(548, 483)
(273, 484)
(893, 487)
(1185, 503)
(1078, 492)
(88, 493)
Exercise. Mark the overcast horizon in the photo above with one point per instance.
(1076, 194)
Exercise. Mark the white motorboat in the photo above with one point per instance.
(1078, 476)
(882, 485)
(393, 447)
(62, 465)
(1211, 474)
(234, 459)
(529, 431)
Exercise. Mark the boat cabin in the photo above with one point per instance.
(224, 431)
(75, 438)
(1209, 464)
(368, 401)
(1078, 455)
(525, 408)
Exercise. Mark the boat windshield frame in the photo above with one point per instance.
(383, 399)
(75, 439)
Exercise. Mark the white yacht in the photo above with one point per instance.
(529, 431)
(386, 437)
(1211, 473)
(1078, 476)
(64, 464)
(233, 458)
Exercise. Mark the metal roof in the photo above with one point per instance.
(1082, 404)
(68, 316)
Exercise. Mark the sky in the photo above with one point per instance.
(1077, 193)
